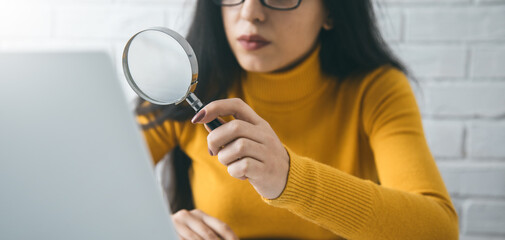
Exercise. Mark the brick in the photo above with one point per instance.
(456, 23)
(488, 62)
(466, 99)
(75, 1)
(485, 217)
(445, 138)
(425, 2)
(483, 180)
(451, 176)
(105, 22)
(179, 19)
(390, 24)
(433, 61)
(35, 44)
(487, 140)
(490, 1)
(165, 2)
(481, 237)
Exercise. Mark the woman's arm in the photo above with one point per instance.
(160, 139)
(410, 203)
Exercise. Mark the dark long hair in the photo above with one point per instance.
(353, 46)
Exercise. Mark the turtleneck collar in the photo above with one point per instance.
(289, 86)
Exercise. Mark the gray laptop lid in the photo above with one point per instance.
(73, 164)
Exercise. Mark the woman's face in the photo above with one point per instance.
(268, 40)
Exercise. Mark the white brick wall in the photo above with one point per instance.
(455, 48)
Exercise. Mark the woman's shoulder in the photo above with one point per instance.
(385, 74)
(382, 80)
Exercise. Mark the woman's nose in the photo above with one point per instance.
(253, 10)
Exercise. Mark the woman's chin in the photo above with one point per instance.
(257, 66)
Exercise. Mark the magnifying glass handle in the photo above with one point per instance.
(214, 124)
(196, 104)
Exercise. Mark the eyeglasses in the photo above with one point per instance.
(282, 5)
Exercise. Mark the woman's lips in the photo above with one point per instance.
(252, 42)
(252, 45)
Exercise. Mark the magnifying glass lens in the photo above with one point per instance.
(161, 67)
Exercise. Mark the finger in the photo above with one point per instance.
(230, 131)
(199, 227)
(240, 148)
(225, 107)
(180, 225)
(245, 168)
(219, 119)
(185, 233)
(221, 228)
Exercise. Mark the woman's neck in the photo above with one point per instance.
(288, 86)
(298, 61)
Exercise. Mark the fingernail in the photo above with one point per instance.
(210, 152)
(199, 116)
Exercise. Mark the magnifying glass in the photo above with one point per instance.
(161, 67)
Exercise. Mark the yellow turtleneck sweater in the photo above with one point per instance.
(360, 167)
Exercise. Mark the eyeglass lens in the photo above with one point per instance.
(278, 4)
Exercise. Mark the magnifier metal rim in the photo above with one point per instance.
(187, 48)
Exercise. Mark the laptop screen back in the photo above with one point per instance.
(73, 164)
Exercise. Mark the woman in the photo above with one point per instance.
(322, 137)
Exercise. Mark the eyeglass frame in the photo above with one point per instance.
(218, 2)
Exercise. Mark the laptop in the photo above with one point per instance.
(73, 163)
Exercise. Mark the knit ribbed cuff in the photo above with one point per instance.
(326, 196)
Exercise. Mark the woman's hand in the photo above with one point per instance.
(195, 224)
(248, 146)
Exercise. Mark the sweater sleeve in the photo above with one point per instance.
(410, 203)
(160, 139)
